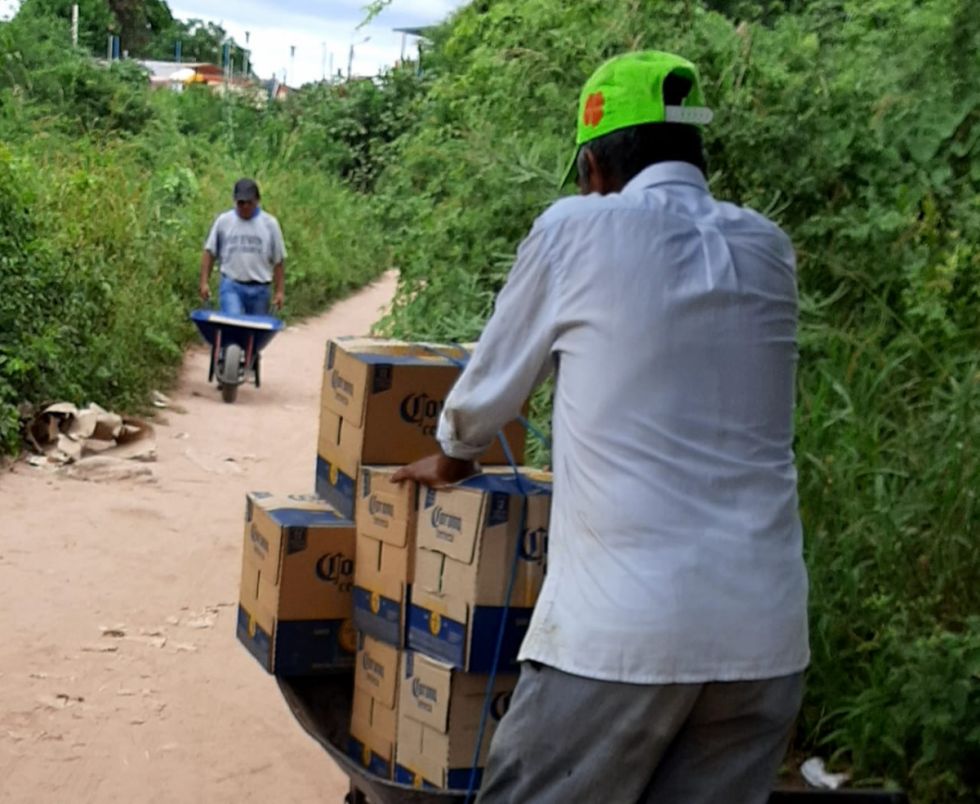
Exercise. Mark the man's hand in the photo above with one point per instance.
(435, 471)
(205, 292)
(278, 299)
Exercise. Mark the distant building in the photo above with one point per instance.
(174, 74)
(276, 89)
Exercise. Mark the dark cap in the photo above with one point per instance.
(246, 190)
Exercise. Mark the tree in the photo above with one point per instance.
(95, 19)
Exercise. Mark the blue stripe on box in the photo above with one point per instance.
(385, 624)
(258, 642)
(297, 517)
(302, 648)
(435, 636)
(340, 494)
(445, 639)
(309, 647)
(459, 778)
(483, 644)
(441, 357)
(507, 484)
(406, 777)
(378, 765)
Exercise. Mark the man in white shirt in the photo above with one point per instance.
(247, 244)
(664, 661)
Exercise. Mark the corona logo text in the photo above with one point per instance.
(335, 568)
(422, 411)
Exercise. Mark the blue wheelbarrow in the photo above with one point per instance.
(236, 342)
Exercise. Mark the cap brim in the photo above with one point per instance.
(571, 172)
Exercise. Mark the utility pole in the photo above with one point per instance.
(350, 56)
(74, 25)
(323, 61)
(292, 62)
(248, 55)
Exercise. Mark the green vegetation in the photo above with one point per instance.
(106, 194)
(145, 28)
(854, 124)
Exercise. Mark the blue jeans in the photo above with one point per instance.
(238, 298)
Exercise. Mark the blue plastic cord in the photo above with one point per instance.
(535, 432)
(501, 631)
(498, 650)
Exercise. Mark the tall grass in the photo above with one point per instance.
(855, 126)
(103, 241)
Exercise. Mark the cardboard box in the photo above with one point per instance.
(439, 717)
(380, 404)
(374, 718)
(466, 541)
(386, 517)
(295, 606)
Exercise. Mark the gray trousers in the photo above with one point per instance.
(575, 740)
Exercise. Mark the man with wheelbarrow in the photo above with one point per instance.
(664, 661)
(247, 244)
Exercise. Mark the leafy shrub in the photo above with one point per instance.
(856, 126)
(106, 194)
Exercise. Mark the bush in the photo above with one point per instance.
(106, 194)
(856, 126)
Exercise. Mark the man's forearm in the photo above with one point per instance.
(207, 263)
(279, 278)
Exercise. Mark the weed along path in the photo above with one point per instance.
(121, 679)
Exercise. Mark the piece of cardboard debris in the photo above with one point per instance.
(63, 433)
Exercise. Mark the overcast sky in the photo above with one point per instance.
(316, 29)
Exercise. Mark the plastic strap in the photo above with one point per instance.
(498, 650)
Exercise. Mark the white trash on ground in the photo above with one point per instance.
(815, 773)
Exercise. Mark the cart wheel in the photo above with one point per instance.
(229, 378)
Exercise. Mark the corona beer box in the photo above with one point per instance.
(439, 715)
(386, 517)
(294, 612)
(374, 719)
(380, 405)
(465, 545)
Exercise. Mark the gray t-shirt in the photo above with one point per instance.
(247, 251)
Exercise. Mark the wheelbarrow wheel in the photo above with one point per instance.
(229, 393)
(228, 379)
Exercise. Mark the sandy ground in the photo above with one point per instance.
(166, 706)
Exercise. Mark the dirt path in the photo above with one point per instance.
(167, 706)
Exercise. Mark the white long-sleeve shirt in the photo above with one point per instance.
(675, 552)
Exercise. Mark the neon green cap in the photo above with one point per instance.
(628, 91)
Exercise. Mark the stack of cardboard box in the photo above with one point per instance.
(294, 610)
(474, 542)
(421, 575)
